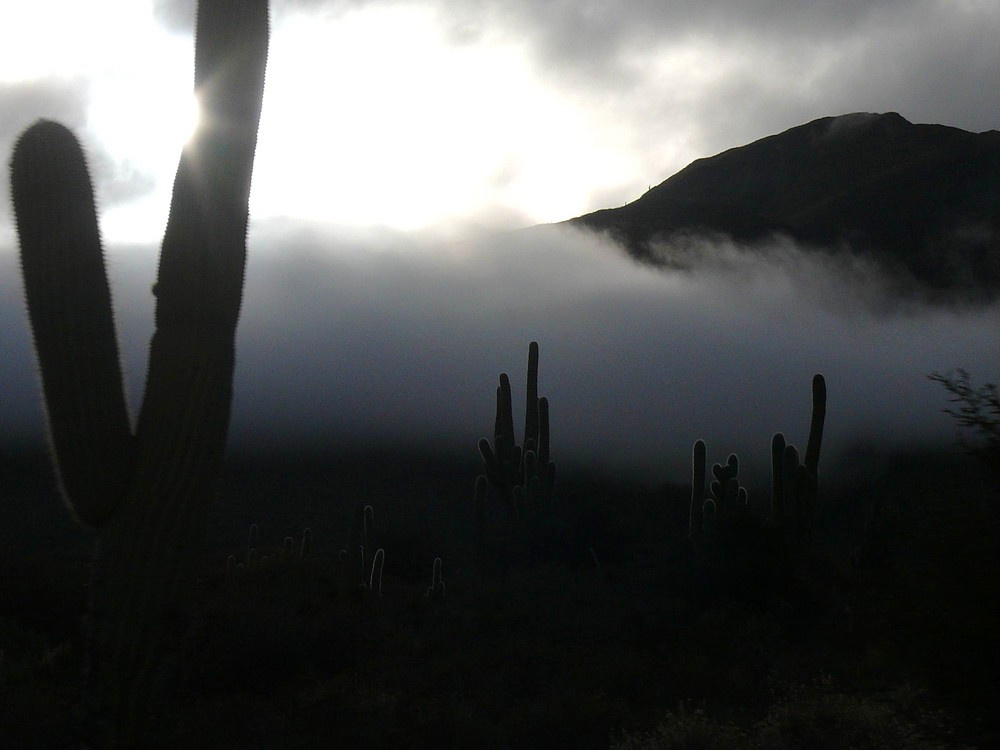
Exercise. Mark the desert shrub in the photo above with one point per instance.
(805, 718)
(837, 721)
(685, 730)
(977, 410)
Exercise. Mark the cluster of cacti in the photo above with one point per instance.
(362, 562)
(254, 558)
(524, 475)
(145, 491)
(794, 485)
(249, 561)
(719, 521)
(305, 546)
(726, 501)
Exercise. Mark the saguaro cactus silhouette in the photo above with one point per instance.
(524, 475)
(794, 485)
(144, 490)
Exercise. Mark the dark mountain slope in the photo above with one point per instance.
(924, 198)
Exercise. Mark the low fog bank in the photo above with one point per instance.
(348, 341)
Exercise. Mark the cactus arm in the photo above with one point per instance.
(494, 471)
(697, 513)
(777, 472)
(498, 418)
(182, 427)
(69, 302)
(543, 432)
(504, 432)
(503, 458)
(531, 425)
(437, 587)
(794, 485)
(204, 247)
(789, 489)
(816, 424)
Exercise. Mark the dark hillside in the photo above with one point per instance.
(920, 198)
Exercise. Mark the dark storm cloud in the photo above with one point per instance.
(360, 340)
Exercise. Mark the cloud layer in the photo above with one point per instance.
(565, 107)
(349, 340)
(643, 88)
(756, 67)
(352, 337)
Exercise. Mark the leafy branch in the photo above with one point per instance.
(978, 410)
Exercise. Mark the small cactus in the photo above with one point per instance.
(359, 572)
(726, 502)
(375, 579)
(731, 500)
(436, 591)
(305, 549)
(253, 540)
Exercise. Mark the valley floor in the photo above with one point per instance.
(591, 624)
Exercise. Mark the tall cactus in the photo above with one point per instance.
(523, 474)
(144, 490)
(794, 485)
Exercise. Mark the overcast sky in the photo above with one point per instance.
(445, 113)
(394, 133)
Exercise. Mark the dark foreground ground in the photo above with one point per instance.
(592, 624)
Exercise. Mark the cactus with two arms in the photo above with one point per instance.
(145, 489)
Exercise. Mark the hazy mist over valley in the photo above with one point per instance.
(353, 339)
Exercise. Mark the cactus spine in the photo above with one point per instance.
(145, 491)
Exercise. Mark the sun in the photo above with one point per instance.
(186, 120)
(378, 117)
(145, 120)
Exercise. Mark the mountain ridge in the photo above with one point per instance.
(920, 199)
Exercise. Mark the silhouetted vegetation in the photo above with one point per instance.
(623, 629)
(977, 410)
(144, 491)
(596, 613)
